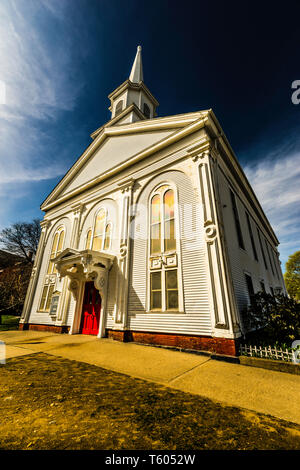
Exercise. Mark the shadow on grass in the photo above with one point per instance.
(49, 402)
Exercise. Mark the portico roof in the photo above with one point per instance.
(87, 260)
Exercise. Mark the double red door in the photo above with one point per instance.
(90, 310)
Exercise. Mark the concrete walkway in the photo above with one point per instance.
(261, 390)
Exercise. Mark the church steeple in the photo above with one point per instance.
(132, 101)
(136, 75)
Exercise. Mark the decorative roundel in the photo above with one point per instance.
(102, 281)
(210, 231)
(123, 251)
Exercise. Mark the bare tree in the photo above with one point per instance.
(22, 238)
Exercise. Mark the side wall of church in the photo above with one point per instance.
(242, 261)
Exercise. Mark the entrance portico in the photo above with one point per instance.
(82, 267)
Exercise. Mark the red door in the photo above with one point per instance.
(90, 310)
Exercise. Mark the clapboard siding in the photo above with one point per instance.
(71, 311)
(111, 295)
(196, 319)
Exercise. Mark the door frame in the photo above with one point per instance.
(92, 285)
(79, 296)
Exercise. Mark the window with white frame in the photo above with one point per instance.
(50, 278)
(163, 261)
(99, 238)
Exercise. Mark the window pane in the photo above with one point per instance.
(97, 243)
(49, 297)
(60, 241)
(169, 204)
(171, 279)
(155, 238)
(237, 221)
(172, 299)
(156, 281)
(155, 290)
(170, 242)
(43, 299)
(54, 244)
(156, 300)
(249, 285)
(107, 237)
(99, 225)
(50, 268)
(171, 289)
(88, 240)
(155, 210)
(53, 253)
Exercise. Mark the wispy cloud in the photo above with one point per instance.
(41, 80)
(35, 73)
(276, 181)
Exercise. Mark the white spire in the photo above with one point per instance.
(136, 74)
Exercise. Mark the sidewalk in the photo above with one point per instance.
(260, 390)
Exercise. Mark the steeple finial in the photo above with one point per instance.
(136, 74)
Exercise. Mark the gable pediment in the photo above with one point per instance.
(114, 151)
(114, 147)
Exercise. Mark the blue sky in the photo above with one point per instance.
(61, 58)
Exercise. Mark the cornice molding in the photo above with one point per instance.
(134, 86)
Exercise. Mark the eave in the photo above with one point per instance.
(133, 86)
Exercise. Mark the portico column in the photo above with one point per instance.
(123, 262)
(222, 303)
(74, 242)
(45, 224)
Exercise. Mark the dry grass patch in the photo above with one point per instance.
(49, 402)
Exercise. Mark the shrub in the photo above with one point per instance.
(276, 319)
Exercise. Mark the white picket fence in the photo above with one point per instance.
(268, 353)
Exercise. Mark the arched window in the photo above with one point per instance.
(49, 284)
(163, 251)
(101, 239)
(146, 111)
(119, 108)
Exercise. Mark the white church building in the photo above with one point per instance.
(154, 235)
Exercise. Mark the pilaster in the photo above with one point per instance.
(222, 302)
(124, 256)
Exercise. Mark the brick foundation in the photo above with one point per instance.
(226, 346)
(50, 328)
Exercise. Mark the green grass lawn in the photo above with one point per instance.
(9, 322)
